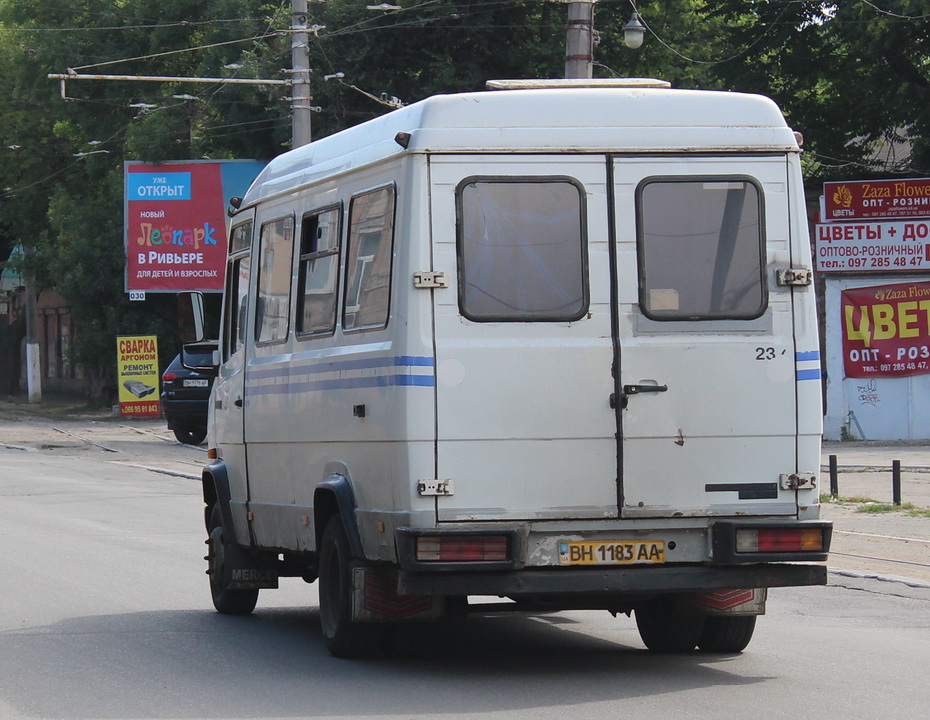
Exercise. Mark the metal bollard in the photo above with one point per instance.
(834, 479)
(896, 482)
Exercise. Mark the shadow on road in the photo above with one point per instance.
(273, 664)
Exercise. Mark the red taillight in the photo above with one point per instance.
(458, 548)
(169, 376)
(779, 540)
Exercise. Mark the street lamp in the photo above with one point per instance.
(633, 32)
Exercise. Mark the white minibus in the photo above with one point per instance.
(553, 343)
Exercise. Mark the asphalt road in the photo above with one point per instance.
(105, 613)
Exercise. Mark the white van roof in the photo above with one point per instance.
(622, 118)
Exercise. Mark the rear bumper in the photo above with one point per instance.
(727, 567)
(613, 581)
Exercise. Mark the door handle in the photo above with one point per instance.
(238, 402)
(637, 389)
(634, 390)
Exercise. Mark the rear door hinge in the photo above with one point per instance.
(794, 277)
(429, 279)
(798, 481)
(435, 487)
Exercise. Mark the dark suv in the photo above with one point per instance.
(184, 397)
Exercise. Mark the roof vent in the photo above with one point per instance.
(577, 83)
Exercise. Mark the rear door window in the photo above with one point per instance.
(701, 249)
(521, 249)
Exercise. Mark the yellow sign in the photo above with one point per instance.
(137, 376)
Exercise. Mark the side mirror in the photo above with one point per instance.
(190, 317)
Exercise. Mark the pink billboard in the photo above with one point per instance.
(175, 222)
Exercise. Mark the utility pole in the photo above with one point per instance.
(301, 110)
(33, 349)
(579, 39)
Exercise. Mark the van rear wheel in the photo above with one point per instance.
(727, 634)
(343, 637)
(226, 600)
(663, 629)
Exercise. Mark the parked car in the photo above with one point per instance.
(184, 397)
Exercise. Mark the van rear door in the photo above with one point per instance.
(522, 338)
(708, 409)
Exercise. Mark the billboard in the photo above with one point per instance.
(886, 330)
(175, 222)
(876, 199)
(887, 246)
(137, 375)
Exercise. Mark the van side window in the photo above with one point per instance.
(521, 249)
(701, 249)
(237, 289)
(273, 297)
(368, 260)
(318, 282)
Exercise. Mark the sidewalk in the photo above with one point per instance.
(60, 428)
(886, 544)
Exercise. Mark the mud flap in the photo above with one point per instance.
(747, 601)
(244, 571)
(375, 599)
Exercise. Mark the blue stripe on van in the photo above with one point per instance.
(809, 374)
(291, 384)
(344, 384)
(810, 355)
(322, 366)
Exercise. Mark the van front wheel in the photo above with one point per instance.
(343, 637)
(226, 601)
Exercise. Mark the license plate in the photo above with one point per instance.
(195, 383)
(611, 552)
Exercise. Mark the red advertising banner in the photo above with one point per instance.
(886, 330)
(889, 246)
(876, 199)
(175, 220)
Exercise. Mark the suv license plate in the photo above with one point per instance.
(619, 552)
(195, 383)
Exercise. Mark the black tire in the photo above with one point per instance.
(665, 630)
(343, 637)
(190, 436)
(226, 601)
(727, 633)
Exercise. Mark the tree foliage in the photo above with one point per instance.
(852, 76)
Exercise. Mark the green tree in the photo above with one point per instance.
(64, 179)
(852, 76)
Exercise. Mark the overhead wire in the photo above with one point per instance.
(176, 52)
(150, 26)
(894, 14)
